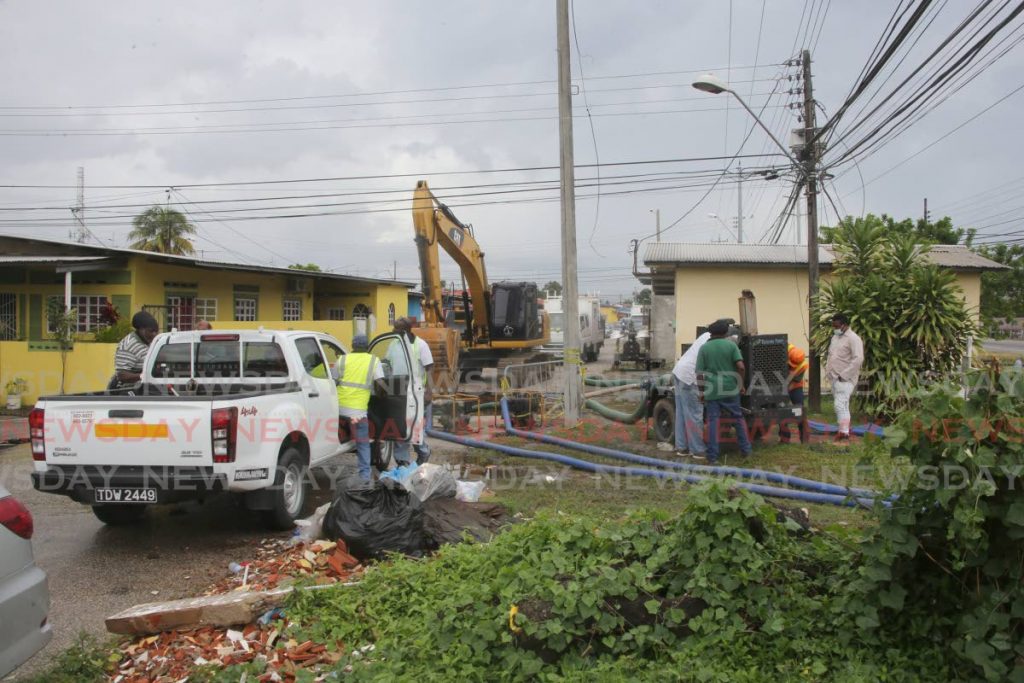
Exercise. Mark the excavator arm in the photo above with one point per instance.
(437, 227)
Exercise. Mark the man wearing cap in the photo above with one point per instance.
(357, 373)
(130, 356)
(720, 367)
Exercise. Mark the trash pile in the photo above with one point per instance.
(281, 562)
(175, 655)
(240, 620)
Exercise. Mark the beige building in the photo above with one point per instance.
(706, 280)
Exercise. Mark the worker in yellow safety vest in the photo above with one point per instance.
(357, 373)
(795, 383)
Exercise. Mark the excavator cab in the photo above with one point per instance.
(515, 315)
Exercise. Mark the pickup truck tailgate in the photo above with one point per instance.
(146, 433)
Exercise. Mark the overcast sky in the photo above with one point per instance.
(185, 93)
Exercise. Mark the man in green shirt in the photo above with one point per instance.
(721, 371)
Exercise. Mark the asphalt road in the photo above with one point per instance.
(1007, 346)
(95, 571)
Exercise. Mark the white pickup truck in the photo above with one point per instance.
(246, 411)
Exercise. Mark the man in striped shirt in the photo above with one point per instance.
(131, 352)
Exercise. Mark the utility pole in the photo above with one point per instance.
(79, 233)
(810, 159)
(739, 205)
(926, 211)
(657, 224)
(570, 301)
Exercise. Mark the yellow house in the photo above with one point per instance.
(179, 290)
(706, 281)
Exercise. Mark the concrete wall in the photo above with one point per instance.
(663, 328)
(706, 294)
(89, 368)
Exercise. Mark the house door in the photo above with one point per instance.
(181, 312)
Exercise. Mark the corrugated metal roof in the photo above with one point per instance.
(683, 253)
(49, 259)
(102, 251)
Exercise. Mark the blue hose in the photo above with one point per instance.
(775, 477)
(770, 491)
(825, 428)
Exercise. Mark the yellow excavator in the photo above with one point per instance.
(502, 324)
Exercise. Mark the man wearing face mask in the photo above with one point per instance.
(422, 362)
(845, 357)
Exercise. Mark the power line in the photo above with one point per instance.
(360, 94)
(387, 176)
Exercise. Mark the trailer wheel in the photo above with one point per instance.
(290, 492)
(382, 454)
(664, 415)
(119, 515)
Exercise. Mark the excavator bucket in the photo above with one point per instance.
(444, 346)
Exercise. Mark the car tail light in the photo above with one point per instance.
(16, 517)
(36, 421)
(218, 337)
(224, 433)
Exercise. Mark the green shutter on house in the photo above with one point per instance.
(123, 304)
(35, 317)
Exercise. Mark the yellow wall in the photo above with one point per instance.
(610, 316)
(706, 294)
(89, 368)
(386, 295)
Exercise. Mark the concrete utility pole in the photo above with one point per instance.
(926, 210)
(739, 204)
(657, 225)
(810, 159)
(570, 300)
(79, 233)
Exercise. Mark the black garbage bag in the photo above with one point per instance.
(376, 519)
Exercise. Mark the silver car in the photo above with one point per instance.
(24, 596)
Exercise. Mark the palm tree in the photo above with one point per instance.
(163, 230)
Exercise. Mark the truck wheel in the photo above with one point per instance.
(290, 492)
(119, 515)
(664, 415)
(382, 455)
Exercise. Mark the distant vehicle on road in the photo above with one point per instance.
(592, 326)
(246, 411)
(24, 594)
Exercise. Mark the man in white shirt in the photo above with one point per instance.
(845, 358)
(422, 362)
(689, 435)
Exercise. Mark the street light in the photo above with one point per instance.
(722, 223)
(710, 83)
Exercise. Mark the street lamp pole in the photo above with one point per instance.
(808, 171)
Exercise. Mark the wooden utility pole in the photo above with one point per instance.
(810, 159)
(570, 291)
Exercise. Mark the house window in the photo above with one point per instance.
(391, 314)
(88, 308)
(361, 311)
(245, 309)
(206, 309)
(292, 310)
(8, 316)
(336, 313)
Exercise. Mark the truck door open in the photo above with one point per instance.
(394, 414)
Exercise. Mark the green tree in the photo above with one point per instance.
(1002, 292)
(643, 297)
(554, 288)
(910, 313)
(311, 267)
(920, 231)
(164, 230)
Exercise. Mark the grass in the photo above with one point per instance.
(86, 661)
